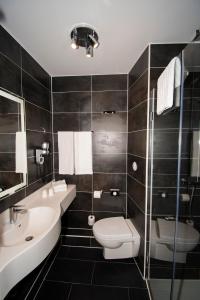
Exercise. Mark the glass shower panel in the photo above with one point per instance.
(164, 134)
(186, 284)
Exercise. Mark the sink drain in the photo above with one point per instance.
(29, 238)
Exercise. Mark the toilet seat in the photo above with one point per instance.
(185, 233)
(113, 229)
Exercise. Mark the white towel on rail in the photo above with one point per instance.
(20, 152)
(66, 152)
(168, 86)
(83, 152)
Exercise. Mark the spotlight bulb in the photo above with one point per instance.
(89, 51)
(95, 42)
(73, 44)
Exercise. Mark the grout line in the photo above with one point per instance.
(90, 90)
(46, 274)
(99, 285)
(40, 107)
(137, 105)
(136, 180)
(33, 130)
(134, 82)
(37, 276)
(93, 272)
(68, 298)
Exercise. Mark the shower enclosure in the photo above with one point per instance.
(172, 254)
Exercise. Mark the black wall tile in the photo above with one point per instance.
(106, 182)
(109, 163)
(43, 120)
(136, 191)
(110, 203)
(83, 182)
(10, 76)
(137, 117)
(72, 102)
(115, 122)
(109, 100)
(72, 122)
(71, 83)
(161, 54)
(83, 201)
(76, 219)
(34, 92)
(109, 82)
(109, 142)
(30, 65)
(9, 46)
(140, 66)
(137, 143)
(138, 91)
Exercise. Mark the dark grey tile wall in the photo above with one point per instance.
(137, 134)
(21, 75)
(78, 105)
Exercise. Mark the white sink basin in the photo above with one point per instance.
(18, 257)
(36, 221)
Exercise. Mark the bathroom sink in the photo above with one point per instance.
(29, 226)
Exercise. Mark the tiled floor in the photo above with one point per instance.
(82, 273)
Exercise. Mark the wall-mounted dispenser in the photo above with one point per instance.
(40, 153)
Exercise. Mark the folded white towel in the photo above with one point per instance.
(168, 86)
(59, 186)
(20, 152)
(66, 152)
(83, 152)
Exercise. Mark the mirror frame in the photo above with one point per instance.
(11, 97)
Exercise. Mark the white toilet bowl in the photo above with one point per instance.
(118, 237)
(162, 240)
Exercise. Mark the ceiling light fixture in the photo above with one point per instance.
(84, 36)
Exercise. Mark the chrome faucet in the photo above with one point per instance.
(14, 211)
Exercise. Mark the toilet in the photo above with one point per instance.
(118, 237)
(162, 240)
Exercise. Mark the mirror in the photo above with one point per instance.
(13, 156)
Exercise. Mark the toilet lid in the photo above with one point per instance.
(113, 229)
(185, 233)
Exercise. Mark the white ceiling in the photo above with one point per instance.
(125, 27)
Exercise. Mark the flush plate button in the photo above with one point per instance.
(134, 166)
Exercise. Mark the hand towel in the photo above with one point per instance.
(59, 186)
(66, 152)
(168, 86)
(20, 152)
(83, 152)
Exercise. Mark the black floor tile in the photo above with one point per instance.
(138, 294)
(86, 292)
(75, 241)
(80, 253)
(67, 270)
(117, 274)
(53, 290)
